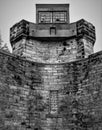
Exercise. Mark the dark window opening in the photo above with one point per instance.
(52, 30)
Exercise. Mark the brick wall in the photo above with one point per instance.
(38, 96)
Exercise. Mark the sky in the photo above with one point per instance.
(12, 11)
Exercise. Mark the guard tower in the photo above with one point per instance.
(50, 80)
(52, 39)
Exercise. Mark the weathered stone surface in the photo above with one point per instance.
(47, 51)
(39, 96)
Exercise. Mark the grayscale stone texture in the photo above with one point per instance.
(53, 79)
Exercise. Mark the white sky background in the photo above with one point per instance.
(12, 11)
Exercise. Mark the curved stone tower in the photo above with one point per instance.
(52, 39)
(50, 44)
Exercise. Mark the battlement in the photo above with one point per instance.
(27, 29)
(18, 30)
(35, 31)
(86, 29)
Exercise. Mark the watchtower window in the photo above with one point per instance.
(59, 17)
(45, 17)
(52, 17)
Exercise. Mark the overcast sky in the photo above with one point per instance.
(12, 11)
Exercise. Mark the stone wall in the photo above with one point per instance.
(38, 96)
(47, 51)
(85, 48)
(53, 52)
